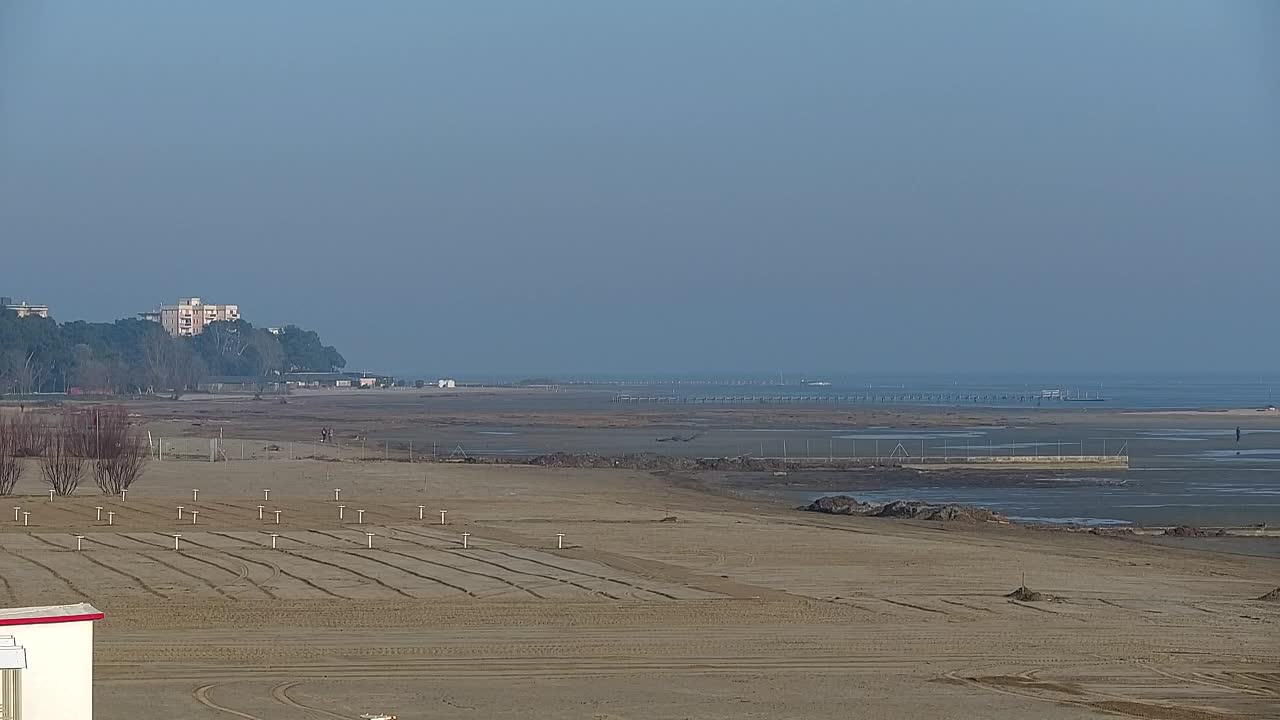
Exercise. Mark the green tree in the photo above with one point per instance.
(304, 351)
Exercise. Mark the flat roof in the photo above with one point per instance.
(49, 614)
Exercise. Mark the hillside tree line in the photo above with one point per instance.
(135, 356)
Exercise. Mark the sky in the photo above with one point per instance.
(668, 185)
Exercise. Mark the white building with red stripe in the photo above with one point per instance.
(46, 662)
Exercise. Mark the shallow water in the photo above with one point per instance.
(1162, 497)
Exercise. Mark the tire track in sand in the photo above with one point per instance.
(580, 586)
(161, 563)
(513, 570)
(46, 541)
(1096, 702)
(139, 581)
(393, 566)
(276, 570)
(370, 578)
(623, 583)
(67, 581)
(281, 694)
(201, 695)
(8, 591)
(390, 532)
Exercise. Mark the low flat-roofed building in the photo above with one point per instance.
(46, 662)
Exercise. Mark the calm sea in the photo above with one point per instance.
(1115, 391)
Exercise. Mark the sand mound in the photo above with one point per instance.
(1273, 596)
(1026, 594)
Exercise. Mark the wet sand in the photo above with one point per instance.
(1184, 469)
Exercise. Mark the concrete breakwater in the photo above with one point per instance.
(940, 462)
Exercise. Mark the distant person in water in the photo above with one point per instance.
(1237, 433)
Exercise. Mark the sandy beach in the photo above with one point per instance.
(664, 602)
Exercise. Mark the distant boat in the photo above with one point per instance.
(815, 383)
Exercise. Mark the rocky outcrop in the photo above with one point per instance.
(838, 505)
(633, 461)
(904, 509)
(1195, 532)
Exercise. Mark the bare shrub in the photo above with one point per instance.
(79, 431)
(30, 435)
(61, 466)
(10, 462)
(119, 451)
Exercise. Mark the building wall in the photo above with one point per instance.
(25, 310)
(190, 316)
(58, 681)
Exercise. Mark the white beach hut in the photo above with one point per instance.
(46, 662)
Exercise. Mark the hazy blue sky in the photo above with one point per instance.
(541, 186)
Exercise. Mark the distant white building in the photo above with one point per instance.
(446, 384)
(22, 310)
(46, 662)
(190, 316)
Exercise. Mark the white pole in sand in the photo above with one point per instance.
(111, 518)
(99, 509)
(336, 492)
(195, 494)
(17, 510)
(266, 493)
(25, 515)
(370, 536)
(464, 540)
(560, 541)
(273, 540)
(442, 512)
(421, 509)
(260, 509)
(194, 513)
(342, 509)
(79, 542)
(180, 507)
(277, 512)
(360, 517)
(122, 494)
(176, 537)
(50, 496)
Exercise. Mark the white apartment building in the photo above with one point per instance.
(23, 309)
(190, 316)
